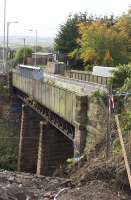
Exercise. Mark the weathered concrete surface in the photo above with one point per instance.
(58, 99)
(80, 123)
(40, 163)
(29, 138)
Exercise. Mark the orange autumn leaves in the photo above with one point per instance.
(102, 44)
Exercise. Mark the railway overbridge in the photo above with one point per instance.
(53, 121)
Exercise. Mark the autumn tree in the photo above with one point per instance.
(65, 41)
(101, 44)
(123, 25)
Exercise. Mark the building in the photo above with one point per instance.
(56, 67)
(42, 58)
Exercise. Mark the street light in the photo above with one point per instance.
(7, 44)
(35, 42)
(8, 24)
(24, 46)
(4, 32)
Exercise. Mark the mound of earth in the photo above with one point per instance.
(22, 186)
(93, 190)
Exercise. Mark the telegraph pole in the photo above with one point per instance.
(108, 133)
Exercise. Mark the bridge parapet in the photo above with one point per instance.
(86, 76)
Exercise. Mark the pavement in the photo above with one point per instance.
(86, 87)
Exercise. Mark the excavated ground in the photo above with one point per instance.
(94, 180)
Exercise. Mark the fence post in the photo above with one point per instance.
(123, 150)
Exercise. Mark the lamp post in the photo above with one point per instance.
(24, 52)
(7, 44)
(24, 49)
(4, 32)
(35, 30)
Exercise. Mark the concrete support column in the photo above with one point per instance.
(24, 119)
(29, 139)
(54, 149)
(80, 124)
(40, 163)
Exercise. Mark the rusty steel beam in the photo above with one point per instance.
(58, 122)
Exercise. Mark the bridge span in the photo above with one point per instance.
(53, 122)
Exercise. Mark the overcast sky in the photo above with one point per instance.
(47, 15)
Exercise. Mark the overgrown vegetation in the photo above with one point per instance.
(22, 54)
(96, 40)
(121, 82)
(8, 132)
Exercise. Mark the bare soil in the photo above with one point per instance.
(94, 180)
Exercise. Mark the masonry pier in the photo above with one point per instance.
(29, 139)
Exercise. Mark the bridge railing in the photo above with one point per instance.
(59, 100)
(86, 76)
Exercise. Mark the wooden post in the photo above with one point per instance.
(123, 150)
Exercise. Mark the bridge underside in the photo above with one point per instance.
(42, 148)
(46, 139)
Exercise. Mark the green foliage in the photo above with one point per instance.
(117, 146)
(19, 56)
(126, 115)
(121, 81)
(88, 67)
(97, 95)
(70, 163)
(8, 133)
(104, 41)
(65, 41)
(126, 120)
(8, 156)
(101, 45)
(120, 76)
(127, 83)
